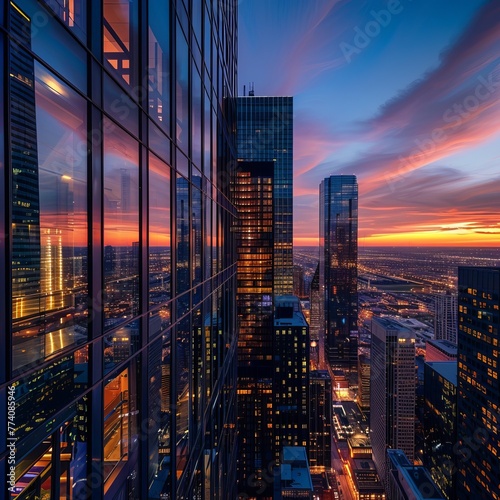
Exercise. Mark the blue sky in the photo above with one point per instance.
(403, 93)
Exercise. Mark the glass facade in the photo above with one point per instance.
(338, 236)
(265, 133)
(478, 408)
(117, 262)
(440, 416)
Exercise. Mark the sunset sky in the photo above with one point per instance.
(405, 94)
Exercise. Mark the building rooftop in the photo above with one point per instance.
(445, 346)
(419, 482)
(295, 474)
(447, 369)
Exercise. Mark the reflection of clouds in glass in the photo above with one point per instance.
(121, 187)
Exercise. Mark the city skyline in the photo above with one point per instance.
(378, 95)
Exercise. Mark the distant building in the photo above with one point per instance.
(293, 477)
(392, 391)
(290, 394)
(316, 328)
(445, 317)
(299, 288)
(440, 392)
(407, 482)
(478, 382)
(363, 397)
(320, 419)
(440, 350)
(338, 214)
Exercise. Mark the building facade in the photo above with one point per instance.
(262, 193)
(440, 417)
(320, 419)
(445, 317)
(392, 391)
(478, 405)
(338, 234)
(291, 375)
(118, 269)
(265, 134)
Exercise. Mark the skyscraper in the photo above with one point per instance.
(265, 134)
(118, 272)
(392, 391)
(262, 193)
(320, 419)
(316, 330)
(338, 232)
(445, 317)
(291, 375)
(478, 391)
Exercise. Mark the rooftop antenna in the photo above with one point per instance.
(251, 91)
(244, 90)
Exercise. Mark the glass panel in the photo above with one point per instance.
(119, 33)
(197, 235)
(121, 344)
(49, 214)
(38, 398)
(73, 13)
(159, 63)
(116, 422)
(182, 91)
(183, 241)
(73, 455)
(121, 225)
(159, 238)
(197, 115)
(34, 473)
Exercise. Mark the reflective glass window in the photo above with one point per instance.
(159, 62)
(73, 13)
(121, 225)
(159, 239)
(182, 90)
(119, 42)
(49, 212)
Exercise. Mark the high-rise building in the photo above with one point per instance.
(265, 134)
(440, 350)
(291, 375)
(392, 391)
(478, 405)
(320, 419)
(316, 330)
(118, 269)
(363, 397)
(253, 197)
(262, 193)
(338, 233)
(440, 392)
(445, 317)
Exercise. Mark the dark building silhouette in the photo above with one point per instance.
(320, 419)
(338, 215)
(478, 390)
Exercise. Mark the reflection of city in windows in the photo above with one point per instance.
(119, 330)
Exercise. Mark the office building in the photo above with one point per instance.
(316, 321)
(407, 482)
(478, 406)
(116, 134)
(440, 415)
(320, 419)
(392, 391)
(293, 477)
(265, 134)
(363, 397)
(445, 317)
(440, 350)
(262, 193)
(291, 375)
(338, 234)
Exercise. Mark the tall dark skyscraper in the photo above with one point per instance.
(338, 233)
(262, 193)
(392, 391)
(117, 266)
(265, 134)
(478, 391)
